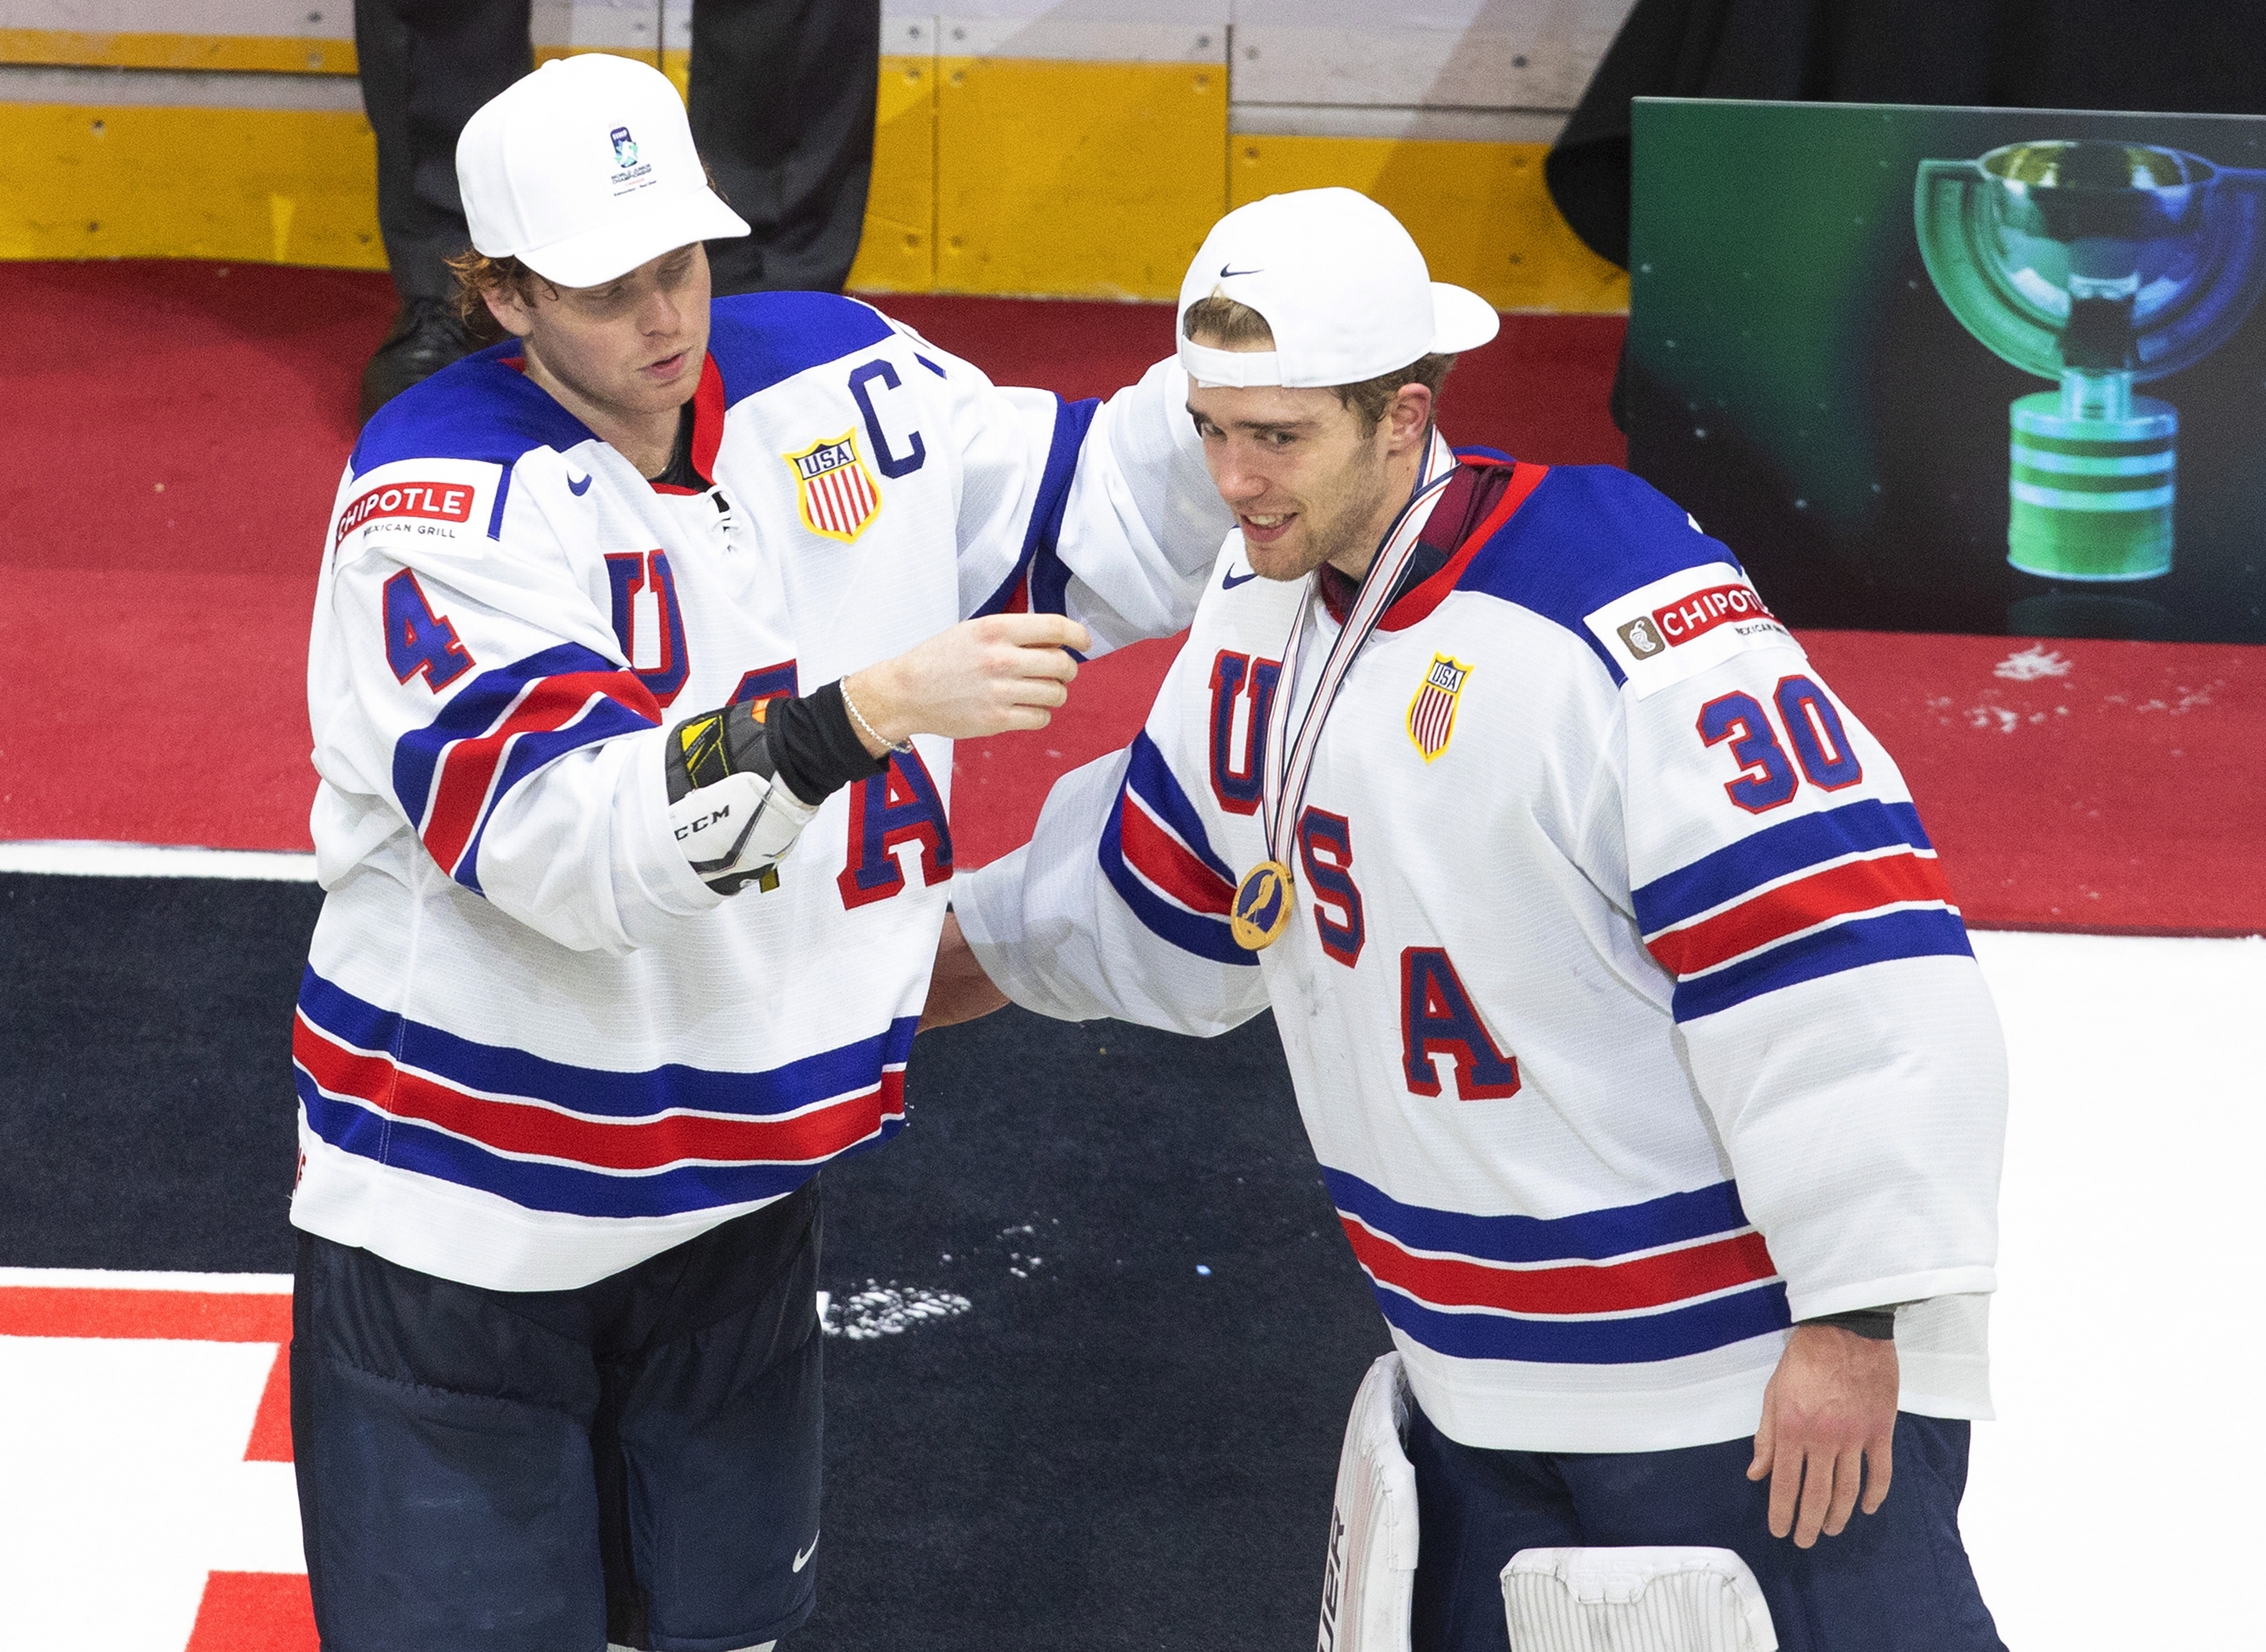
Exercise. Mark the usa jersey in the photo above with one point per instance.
(532, 1048)
(1627, 1011)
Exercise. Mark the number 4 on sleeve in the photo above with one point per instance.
(419, 640)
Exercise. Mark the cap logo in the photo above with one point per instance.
(631, 173)
(1225, 272)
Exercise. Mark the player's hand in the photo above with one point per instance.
(983, 676)
(958, 991)
(1829, 1416)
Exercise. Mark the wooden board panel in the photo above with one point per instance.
(283, 187)
(1076, 179)
(1479, 211)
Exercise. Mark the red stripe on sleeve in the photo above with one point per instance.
(630, 1144)
(1648, 1282)
(1162, 859)
(461, 792)
(1841, 891)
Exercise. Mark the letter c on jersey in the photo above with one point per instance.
(1438, 1016)
(893, 465)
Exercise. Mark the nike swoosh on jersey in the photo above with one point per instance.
(1225, 272)
(1228, 581)
(579, 488)
(803, 1559)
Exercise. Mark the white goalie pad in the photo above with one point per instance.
(1635, 1600)
(1371, 1574)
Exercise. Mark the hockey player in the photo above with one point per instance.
(638, 647)
(1641, 1047)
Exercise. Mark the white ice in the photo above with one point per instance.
(2114, 1504)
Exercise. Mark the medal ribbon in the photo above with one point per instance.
(1285, 775)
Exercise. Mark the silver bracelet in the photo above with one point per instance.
(902, 748)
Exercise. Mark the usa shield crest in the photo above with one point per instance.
(1432, 713)
(837, 496)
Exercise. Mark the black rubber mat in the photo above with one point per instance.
(1128, 1438)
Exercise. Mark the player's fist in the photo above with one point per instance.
(980, 677)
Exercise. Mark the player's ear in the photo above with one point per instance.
(1407, 415)
(510, 310)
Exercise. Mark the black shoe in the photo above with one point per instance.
(425, 337)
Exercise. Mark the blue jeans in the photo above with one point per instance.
(1897, 1581)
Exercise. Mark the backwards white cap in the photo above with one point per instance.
(1342, 287)
(584, 170)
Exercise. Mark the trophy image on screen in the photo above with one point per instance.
(2099, 265)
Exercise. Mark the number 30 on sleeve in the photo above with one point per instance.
(1767, 778)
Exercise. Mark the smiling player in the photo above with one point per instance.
(1644, 1055)
(638, 647)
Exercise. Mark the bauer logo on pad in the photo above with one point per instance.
(837, 496)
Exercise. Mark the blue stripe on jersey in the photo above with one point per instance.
(474, 710)
(1050, 573)
(607, 719)
(548, 1186)
(1147, 774)
(1039, 560)
(1587, 535)
(759, 339)
(1475, 1334)
(477, 408)
(1922, 932)
(498, 1070)
(1774, 852)
(1592, 1236)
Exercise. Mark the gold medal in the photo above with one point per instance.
(1262, 906)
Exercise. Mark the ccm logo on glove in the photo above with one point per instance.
(435, 501)
(702, 824)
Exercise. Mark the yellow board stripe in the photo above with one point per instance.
(279, 54)
(991, 175)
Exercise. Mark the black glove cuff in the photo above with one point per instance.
(1878, 1324)
(817, 751)
(705, 749)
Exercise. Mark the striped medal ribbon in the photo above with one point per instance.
(1265, 897)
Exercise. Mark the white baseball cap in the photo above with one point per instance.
(1343, 288)
(584, 170)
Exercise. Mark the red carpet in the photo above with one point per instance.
(180, 427)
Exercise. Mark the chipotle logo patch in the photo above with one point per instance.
(435, 502)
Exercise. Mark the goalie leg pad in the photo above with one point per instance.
(1635, 1600)
(1369, 1576)
(731, 815)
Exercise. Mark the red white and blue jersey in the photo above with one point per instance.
(1627, 1010)
(532, 1047)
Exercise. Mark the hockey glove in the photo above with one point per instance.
(731, 815)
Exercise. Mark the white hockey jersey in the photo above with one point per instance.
(532, 1048)
(1626, 1007)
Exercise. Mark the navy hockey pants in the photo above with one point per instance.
(1896, 1581)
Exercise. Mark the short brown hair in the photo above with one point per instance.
(1224, 323)
(478, 275)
